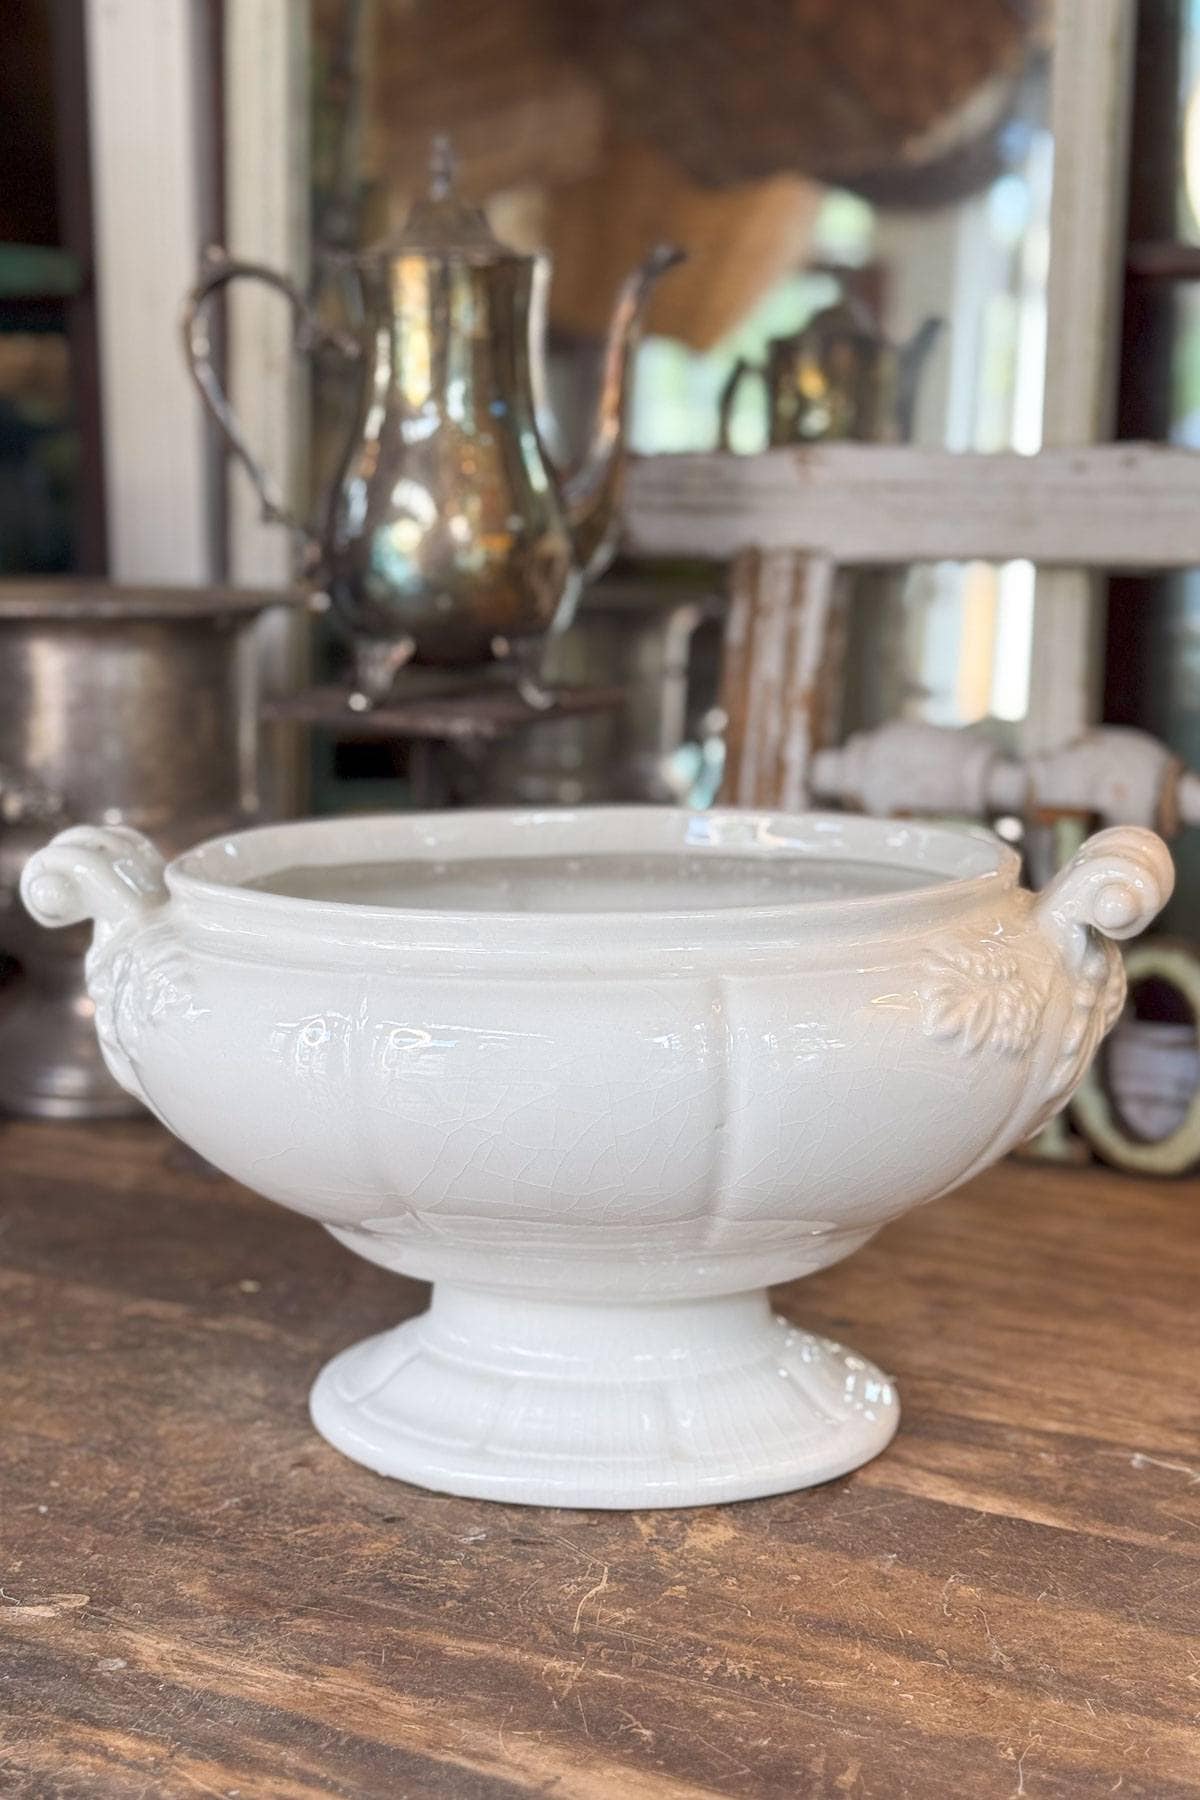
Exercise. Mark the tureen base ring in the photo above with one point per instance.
(604, 1404)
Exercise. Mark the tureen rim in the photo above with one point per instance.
(987, 866)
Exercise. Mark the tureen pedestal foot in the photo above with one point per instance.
(598, 1404)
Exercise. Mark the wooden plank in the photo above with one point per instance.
(1108, 506)
(199, 1596)
(1163, 261)
(1090, 102)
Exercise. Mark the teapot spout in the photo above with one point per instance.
(592, 490)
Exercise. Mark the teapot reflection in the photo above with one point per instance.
(451, 538)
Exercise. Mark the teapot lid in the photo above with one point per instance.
(846, 317)
(441, 224)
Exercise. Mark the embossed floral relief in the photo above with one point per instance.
(107, 975)
(980, 992)
(138, 983)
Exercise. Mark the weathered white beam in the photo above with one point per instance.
(1091, 91)
(149, 75)
(1119, 506)
(1090, 103)
(266, 221)
(267, 187)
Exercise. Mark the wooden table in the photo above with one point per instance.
(200, 1598)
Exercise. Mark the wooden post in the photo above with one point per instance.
(782, 672)
(1090, 102)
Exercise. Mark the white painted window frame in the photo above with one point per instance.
(151, 79)
(154, 147)
(267, 203)
(153, 191)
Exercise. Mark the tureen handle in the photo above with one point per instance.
(1112, 888)
(1115, 885)
(109, 873)
(114, 875)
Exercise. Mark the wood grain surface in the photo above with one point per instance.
(200, 1598)
(1108, 506)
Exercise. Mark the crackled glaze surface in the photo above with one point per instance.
(586, 1121)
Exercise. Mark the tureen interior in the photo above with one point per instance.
(634, 860)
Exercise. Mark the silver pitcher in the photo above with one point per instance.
(451, 538)
(118, 706)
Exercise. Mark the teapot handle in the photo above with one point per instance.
(743, 366)
(308, 332)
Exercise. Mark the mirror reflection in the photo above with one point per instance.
(863, 193)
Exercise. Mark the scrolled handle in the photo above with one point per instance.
(308, 332)
(1111, 889)
(1115, 885)
(114, 875)
(741, 368)
(109, 873)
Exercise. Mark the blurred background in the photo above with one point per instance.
(897, 154)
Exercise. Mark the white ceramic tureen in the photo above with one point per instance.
(601, 1076)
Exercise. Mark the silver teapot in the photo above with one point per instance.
(450, 537)
(838, 378)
